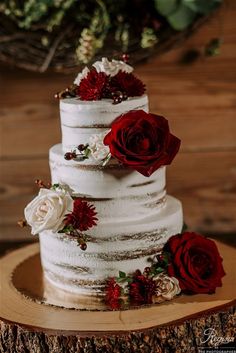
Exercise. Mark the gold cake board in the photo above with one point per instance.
(30, 309)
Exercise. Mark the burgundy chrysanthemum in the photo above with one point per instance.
(112, 294)
(128, 84)
(82, 217)
(92, 86)
(141, 289)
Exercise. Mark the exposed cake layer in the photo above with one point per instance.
(81, 119)
(85, 272)
(119, 194)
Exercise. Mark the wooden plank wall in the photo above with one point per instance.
(199, 99)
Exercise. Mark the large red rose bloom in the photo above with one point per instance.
(142, 141)
(195, 262)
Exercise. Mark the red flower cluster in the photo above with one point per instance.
(195, 262)
(92, 87)
(113, 292)
(128, 84)
(82, 217)
(98, 85)
(141, 289)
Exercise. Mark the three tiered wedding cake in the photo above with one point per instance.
(106, 217)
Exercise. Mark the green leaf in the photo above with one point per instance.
(122, 274)
(55, 186)
(159, 270)
(166, 7)
(181, 18)
(184, 228)
(87, 152)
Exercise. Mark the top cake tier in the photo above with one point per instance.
(81, 119)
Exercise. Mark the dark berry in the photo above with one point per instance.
(147, 269)
(125, 58)
(69, 155)
(83, 246)
(81, 147)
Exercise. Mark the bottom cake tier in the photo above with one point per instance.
(69, 268)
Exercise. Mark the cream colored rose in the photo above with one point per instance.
(98, 150)
(48, 209)
(112, 67)
(81, 75)
(166, 287)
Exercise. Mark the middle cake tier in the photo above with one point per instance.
(118, 193)
(125, 200)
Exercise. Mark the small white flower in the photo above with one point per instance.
(98, 150)
(81, 75)
(166, 287)
(47, 210)
(112, 67)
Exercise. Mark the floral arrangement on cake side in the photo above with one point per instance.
(55, 209)
(189, 263)
(139, 140)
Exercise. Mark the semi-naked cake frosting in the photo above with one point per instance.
(135, 216)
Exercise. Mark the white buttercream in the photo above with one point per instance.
(61, 256)
(135, 216)
(122, 193)
(81, 119)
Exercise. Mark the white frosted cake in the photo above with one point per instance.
(132, 217)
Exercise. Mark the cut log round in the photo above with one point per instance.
(29, 325)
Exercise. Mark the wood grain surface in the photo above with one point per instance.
(198, 98)
(27, 324)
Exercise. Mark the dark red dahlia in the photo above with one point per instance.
(92, 86)
(112, 294)
(127, 83)
(82, 217)
(141, 289)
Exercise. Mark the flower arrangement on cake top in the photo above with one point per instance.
(105, 79)
(139, 140)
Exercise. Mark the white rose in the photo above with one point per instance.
(81, 75)
(112, 67)
(166, 287)
(48, 209)
(98, 150)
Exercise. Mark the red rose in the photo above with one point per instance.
(142, 141)
(195, 262)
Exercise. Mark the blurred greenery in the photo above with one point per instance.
(126, 21)
(181, 13)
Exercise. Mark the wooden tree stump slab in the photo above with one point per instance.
(29, 325)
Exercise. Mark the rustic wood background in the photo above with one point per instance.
(199, 99)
